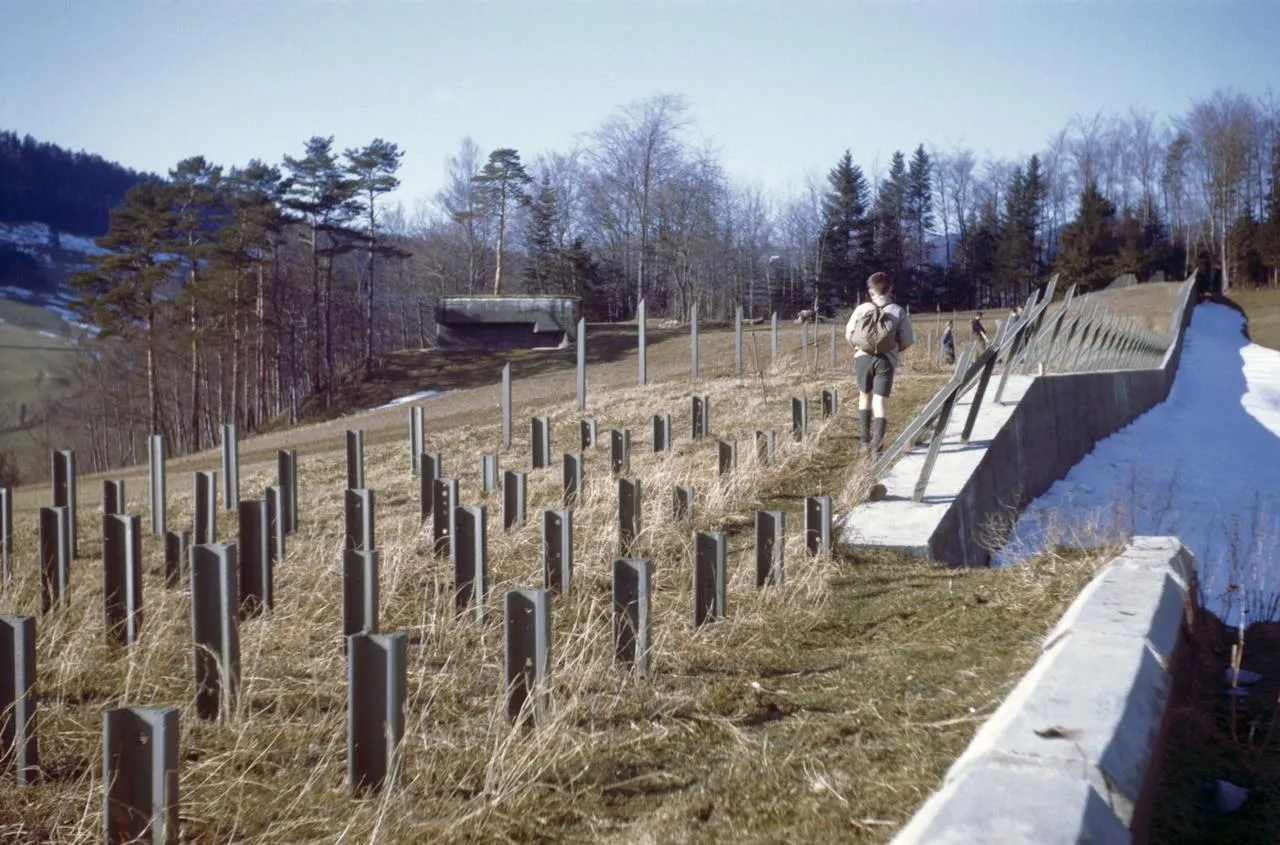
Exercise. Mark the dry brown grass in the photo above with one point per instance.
(1262, 307)
(823, 710)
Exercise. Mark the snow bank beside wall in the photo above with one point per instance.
(1057, 422)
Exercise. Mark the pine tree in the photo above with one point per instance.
(891, 221)
(844, 243)
(373, 172)
(195, 195)
(253, 234)
(504, 180)
(123, 292)
(324, 199)
(543, 272)
(918, 206)
(1089, 243)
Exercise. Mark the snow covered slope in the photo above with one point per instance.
(1203, 465)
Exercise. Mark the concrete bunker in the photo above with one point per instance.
(506, 322)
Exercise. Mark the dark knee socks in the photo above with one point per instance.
(864, 420)
(877, 434)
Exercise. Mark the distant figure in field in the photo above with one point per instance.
(878, 330)
(979, 333)
(949, 343)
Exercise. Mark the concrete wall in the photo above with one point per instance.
(1072, 754)
(506, 322)
(1057, 422)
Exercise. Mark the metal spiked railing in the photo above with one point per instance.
(1078, 336)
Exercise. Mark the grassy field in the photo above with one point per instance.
(823, 710)
(1262, 306)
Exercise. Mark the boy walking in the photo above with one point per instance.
(878, 330)
(949, 343)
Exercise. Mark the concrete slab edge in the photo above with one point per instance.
(1072, 753)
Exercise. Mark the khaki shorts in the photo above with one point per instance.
(874, 374)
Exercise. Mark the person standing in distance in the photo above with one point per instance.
(979, 333)
(878, 330)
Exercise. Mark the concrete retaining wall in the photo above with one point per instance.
(1072, 754)
(1057, 422)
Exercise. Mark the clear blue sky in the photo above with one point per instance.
(781, 88)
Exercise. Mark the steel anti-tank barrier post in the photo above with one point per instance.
(355, 459)
(632, 605)
(254, 551)
(506, 406)
(764, 447)
(526, 653)
(726, 458)
(215, 628)
(682, 503)
(122, 577)
(140, 775)
(359, 594)
(156, 483)
(557, 550)
(470, 563)
(230, 467)
(19, 744)
(769, 534)
(799, 418)
(205, 518)
(376, 684)
(444, 499)
(515, 495)
(417, 426)
(620, 451)
(64, 494)
(55, 558)
(6, 537)
(571, 478)
(431, 466)
(629, 495)
(359, 521)
(540, 435)
(177, 558)
(709, 577)
(817, 525)
(661, 432)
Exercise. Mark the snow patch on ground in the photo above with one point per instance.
(414, 397)
(1203, 465)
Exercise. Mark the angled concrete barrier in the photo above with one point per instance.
(1072, 754)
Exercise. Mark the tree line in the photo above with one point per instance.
(260, 293)
(69, 191)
